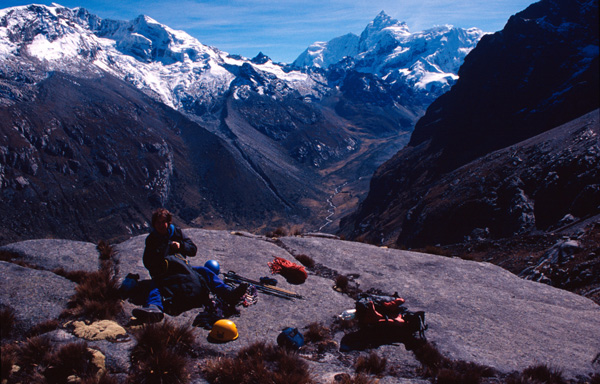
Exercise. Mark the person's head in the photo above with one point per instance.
(161, 218)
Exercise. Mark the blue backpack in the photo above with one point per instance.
(290, 338)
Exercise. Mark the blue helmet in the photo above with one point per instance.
(213, 265)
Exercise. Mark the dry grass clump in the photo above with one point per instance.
(341, 282)
(96, 297)
(317, 332)
(7, 321)
(318, 339)
(161, 354)
(97, 293)
(258, 363)
(42, 363)
(540, 374)
(43, 327)
(278, 232)
(75, 276)
(359, 378)
(447, 371)
(305, 260)
(7, 360)
(107, 252)
(108, 257)
(347, 285)
(372, 364)
(294, 230)
(8, 255)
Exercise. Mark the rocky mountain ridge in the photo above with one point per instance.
(427, 60)
(477, 312)
(289, 135)
(483, 129)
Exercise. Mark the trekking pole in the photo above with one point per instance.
(263, 289)
(232, 276)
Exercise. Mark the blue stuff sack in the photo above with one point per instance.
(290, 338)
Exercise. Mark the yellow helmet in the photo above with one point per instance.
(223, 330)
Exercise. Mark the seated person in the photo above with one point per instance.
(164, 257)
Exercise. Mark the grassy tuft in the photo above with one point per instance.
(43, 327)
(159, 336)
(96, 297)
(447, 371)
(305, 260)
(455, 376)
(163, 366)
(316, 332)
(8, 358)
(73, 359)
(278, 232)
(33, 353)
(40, 362)
(107, 252)
(97, 293)
(537, 375)
(359, 378)
(8, 321)
(258, 363)
(341, 282)
(75, 276)
(161, 353)
(372, 364)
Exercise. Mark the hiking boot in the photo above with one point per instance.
(150, 314)
(236, 294)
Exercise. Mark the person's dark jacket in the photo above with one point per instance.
(158, 247)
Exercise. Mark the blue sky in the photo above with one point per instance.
(282, 29)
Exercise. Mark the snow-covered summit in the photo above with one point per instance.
(168, 64)
(381, 31)
(183, 73)
(426, 60)
(323, 54)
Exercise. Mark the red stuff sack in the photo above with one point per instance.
(293, 273)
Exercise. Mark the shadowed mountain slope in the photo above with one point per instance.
(539, 72)
(86, 158)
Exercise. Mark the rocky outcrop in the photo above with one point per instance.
(476, 312)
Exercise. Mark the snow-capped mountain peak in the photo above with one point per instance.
(427, 60)
(381, 30)
(176, 68)
(165, 63)
(323, 54)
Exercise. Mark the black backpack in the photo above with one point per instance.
(181, 287)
